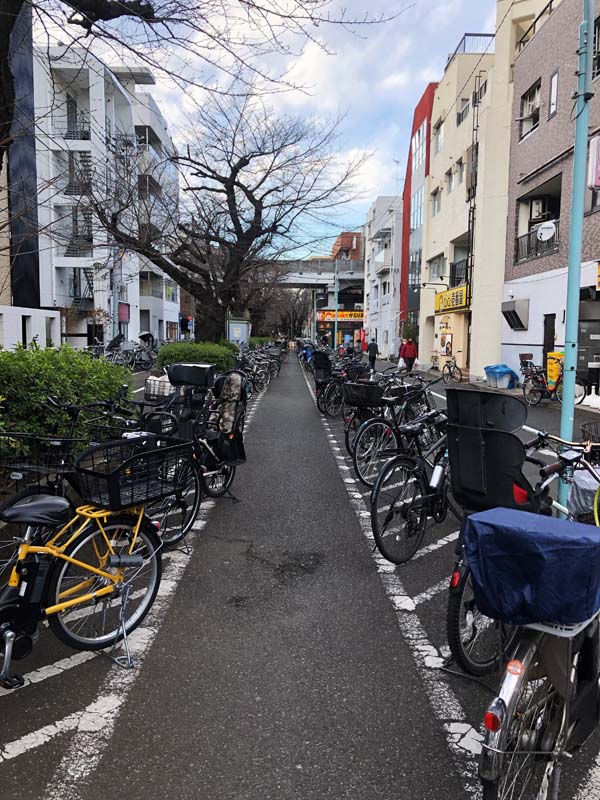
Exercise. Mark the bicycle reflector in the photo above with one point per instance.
(520, 495)
(455, 579)
(494, 716)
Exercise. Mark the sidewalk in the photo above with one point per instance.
(280, 672)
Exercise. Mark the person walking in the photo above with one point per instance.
(373, 352)
(408, 352)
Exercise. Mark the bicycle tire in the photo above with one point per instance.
(213, 487)
(120, 531)
(177, 512)
(398, 523)
(579, 392)
(446, 374)
(320, 399)
(533, 390)
(374, 441)
(534, 726)
(333, 400)
(465, 628)
(456, 375)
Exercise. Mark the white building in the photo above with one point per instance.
(383, 247)
(88, 117)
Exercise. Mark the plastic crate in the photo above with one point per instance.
(362, 394)
(157, 388)
(133, 472)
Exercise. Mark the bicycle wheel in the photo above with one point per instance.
(579, 392)
(533, 390)
(374, 445)
(177, 513)
(456, 375)
(446, 373)
(217, 484)
(475, 640)
(333, 400)
(321, 400)
(93, 625)
(260, 381)
(398, 509)
(533, 729)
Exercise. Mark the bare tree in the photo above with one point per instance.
(195, 42)
(255, 187)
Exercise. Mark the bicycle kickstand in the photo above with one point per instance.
(9, 680)
(126, 659)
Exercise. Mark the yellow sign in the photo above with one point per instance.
(452, 300)
(327, 315)
(553, 366)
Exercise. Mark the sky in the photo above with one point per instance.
(373, 77)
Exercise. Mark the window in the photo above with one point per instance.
(416, 209)
(460, 168)
(438, 137)
(418, 145)
(464, 111)
(436, 202)
(596, 53)
(437, 267)
(449, 181)
(414, 268)
(553, 104)
(530, 109)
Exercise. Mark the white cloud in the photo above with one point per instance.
(397, 80)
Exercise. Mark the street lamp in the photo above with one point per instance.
(430, 283)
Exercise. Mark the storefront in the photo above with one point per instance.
(451, 335)
(349, 325)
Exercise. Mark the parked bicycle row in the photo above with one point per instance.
(524, 588)
(87, 511)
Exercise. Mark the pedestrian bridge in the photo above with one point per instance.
(316, 273)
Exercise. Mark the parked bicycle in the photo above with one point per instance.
(536, 386)
(451, 372)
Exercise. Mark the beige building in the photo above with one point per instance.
(466, 212)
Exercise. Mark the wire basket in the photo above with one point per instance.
(133, 472)
(100, 428)
(156, 389)
(362, 394)
(33, 459)
(590, 432)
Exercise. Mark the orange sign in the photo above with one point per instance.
(328, 315)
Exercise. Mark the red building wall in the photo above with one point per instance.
(422, 112)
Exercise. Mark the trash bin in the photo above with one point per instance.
(490, 375)
(505, 377)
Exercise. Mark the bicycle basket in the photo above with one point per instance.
(29, 458)
(104, 428)
(133, 472)
(590, 432)
(362, 394)
(157, 389)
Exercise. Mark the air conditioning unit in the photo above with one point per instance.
(516, 313)
(539, 208)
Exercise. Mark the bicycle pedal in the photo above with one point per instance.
(13, 681)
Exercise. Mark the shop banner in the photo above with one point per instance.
(328, 315)
(452, 300)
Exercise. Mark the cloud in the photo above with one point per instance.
(397, 80)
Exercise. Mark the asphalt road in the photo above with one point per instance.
(284, 658)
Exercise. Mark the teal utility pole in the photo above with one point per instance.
(584, 95)
(336, 288)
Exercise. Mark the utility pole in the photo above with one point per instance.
(336, 287)
(584, 95)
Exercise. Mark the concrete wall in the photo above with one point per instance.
(44, 324)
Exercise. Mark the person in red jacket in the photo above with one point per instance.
(408, 352)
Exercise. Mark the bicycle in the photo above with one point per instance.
(536, 387)
(451, 373)
(71, 568)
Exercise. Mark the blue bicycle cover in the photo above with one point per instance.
(529, 568)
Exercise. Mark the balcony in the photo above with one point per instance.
(529, 246)
(75, 127)
(383, 261)
(537, 24)
(473, 44)
(458, 273)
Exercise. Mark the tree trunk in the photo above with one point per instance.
(210, 322)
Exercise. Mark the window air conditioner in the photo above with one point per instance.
(516, 313)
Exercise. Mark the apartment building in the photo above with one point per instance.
(413, 208)
(92, 126)
(466, 234)
(383, 246)
(539, 208)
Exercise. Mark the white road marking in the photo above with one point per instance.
(452, 537)
(463, 740)
(440, 586)
(52, 670)
(141, 389)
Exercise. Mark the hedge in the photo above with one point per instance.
(28, 377)
(231, 346)
(196, 353)
(256, 341)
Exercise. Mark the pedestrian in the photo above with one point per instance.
(373, 352)
(401, 361)
(408, 352)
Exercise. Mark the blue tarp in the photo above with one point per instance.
(528, 568)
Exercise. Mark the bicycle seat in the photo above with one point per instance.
(412, 429)
(39, 509)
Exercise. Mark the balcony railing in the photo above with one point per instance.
(458, 273)
(529, 246)
(74, 127)
(473, 43)
(537, 24)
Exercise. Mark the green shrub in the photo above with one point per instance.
(256, 341)
(196, 353)
(231, 346)
(27, 377)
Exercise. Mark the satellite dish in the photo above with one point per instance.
(546, 231)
